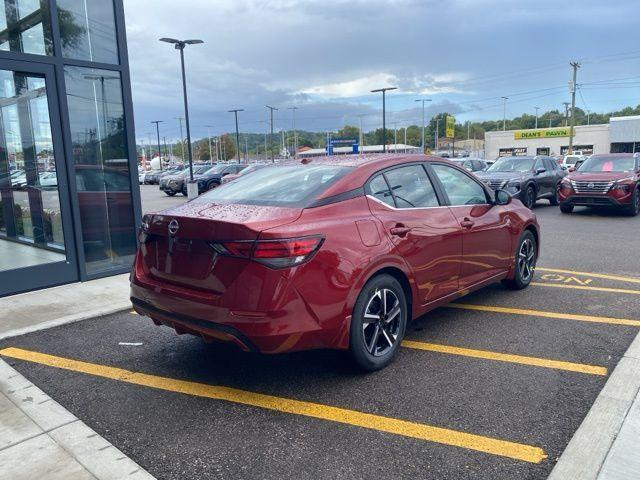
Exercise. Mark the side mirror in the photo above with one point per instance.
(540, 170)
(502, 197)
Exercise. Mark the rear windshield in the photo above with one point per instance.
(606, 163)
(512, 164)
(283, 186)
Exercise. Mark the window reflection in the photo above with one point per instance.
(30, 216)
(25, 26)
(102, 168)
(88, 30)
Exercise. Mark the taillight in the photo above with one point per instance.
(143, 234)
(278, 253)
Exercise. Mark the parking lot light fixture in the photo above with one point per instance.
(179, 45)
(384, 113)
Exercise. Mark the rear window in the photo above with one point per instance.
(283, 186)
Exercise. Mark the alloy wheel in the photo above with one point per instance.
(381, 322)
(526, 260)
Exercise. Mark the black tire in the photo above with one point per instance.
(373, 344)
(553, 200)
(566, 208)
(171, 193)
(634, 209)
(529, 197)
(527, 253)
(212, 185)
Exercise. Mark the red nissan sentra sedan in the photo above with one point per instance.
(330, 253)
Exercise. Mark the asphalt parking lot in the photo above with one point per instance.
(493, 386)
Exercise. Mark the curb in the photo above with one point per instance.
(57, 442)
(76, 317)
(590, 445)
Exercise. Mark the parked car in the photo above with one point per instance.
(335, 252)
(152, 177)
(244, 171)
(611, 180)
(471, 164)
(172, 184)
(212, 178)
(569, 161)
(141, 176)
(526, 178)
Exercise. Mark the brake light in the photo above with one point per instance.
(278, 253)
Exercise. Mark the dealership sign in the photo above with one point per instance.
(542, 133)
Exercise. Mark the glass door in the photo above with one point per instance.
(37, 247)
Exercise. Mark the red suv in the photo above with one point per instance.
(611, 180)
(330, 253)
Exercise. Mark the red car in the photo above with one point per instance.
(330, 253)
(611, 180)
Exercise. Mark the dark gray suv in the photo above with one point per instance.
(525, 178)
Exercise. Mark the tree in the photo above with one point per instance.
(228, 147)
(349, 131)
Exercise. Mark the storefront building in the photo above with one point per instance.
(69, 202)
(622, 134)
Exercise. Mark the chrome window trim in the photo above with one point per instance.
(407, 208)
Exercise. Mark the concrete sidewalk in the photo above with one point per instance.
(28, 312)
(38, 437)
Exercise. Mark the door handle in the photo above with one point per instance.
(466, 223)
(400, 230)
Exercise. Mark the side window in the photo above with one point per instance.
(380, 190)
(538, 165)
(411, 187)
(460, 187)
(550, 164)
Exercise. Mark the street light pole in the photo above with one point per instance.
(235, 112)
(504, 113)
(179, 45)
(537, 108)
(209, 137)
(271, 109)
(295, 133)
(384, 114)
(158, 122)
(423, 100)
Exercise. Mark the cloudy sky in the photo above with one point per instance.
(324, 56)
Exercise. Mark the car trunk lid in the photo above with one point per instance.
(177, 247)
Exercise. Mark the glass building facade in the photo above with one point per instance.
(69, 201)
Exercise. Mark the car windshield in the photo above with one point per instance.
(607, 163)
(512, 164)
(285, 186)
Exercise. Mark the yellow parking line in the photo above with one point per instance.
(582, 287)
(617, 278)
(540, 313)
(506, 357)
(493, 446)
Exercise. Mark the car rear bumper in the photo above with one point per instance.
(287, 325)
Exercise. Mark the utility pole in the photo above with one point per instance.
(166, 150)
(271, 109)
(158, 122)
(537, 108)
(235, 112)
(384, 114)
(423, 100)
(246, 150)
(566, 113)
(181, 137)
(575, 66)
(504, 113)
(395, 137)
(295, 134)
